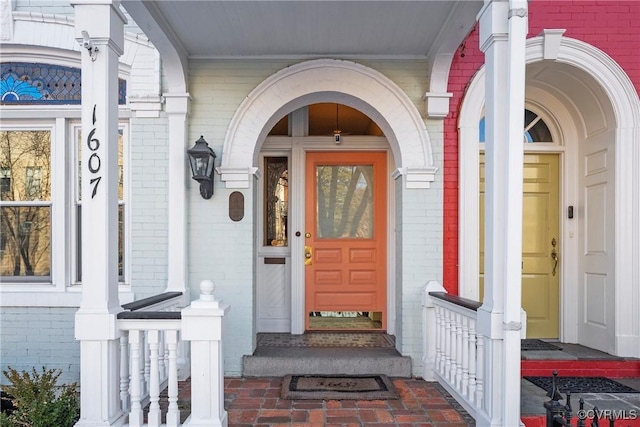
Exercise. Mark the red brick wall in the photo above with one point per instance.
(612, 26)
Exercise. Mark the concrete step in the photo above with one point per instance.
(280, 361)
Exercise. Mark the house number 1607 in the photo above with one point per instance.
(94, 163)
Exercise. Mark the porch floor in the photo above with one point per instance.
(580, 361)
(256, 401)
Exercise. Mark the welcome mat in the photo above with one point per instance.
(582, 385)
(535, 344)
(338, 387)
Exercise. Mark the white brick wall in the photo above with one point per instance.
(148, 205)
(36, 337)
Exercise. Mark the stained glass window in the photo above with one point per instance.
(31, 83)
(276, 198)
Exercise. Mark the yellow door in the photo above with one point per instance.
(540, 243)
(345, 237)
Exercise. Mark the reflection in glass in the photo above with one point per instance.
(25, 237)
(344, 201)
(25, 192)
(276, 198)
(25, 165)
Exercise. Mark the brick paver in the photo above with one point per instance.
(256, 402)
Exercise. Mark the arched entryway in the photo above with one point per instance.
(410, 161)
(591, 100)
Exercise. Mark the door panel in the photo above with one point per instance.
(540, 228)
(346, 232)
(596, 299)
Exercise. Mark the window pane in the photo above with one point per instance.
(535, 129)
(540, 132)
(25, 165)
(120, 243)
(344, 201)
(276, 201)
(25, 236)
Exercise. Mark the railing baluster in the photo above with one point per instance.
(458, 377)
(447, 345)
(124, 371)
(146, 365)
(439, 365)
(154, 379)
(479, 370)
(162, 368)
(464, 383)
(472, 360)
(453, 352)
(135, 414)
(173, 413)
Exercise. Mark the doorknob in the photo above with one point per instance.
(308, 255)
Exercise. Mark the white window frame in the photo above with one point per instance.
(125, 280)
(59, 289)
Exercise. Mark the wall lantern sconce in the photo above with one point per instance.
(202, 160)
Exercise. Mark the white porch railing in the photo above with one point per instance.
(453, 350)
(149, 359)
(148, 364)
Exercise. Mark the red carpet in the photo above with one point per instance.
(584, 368)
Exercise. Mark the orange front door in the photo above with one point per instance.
(345, 239)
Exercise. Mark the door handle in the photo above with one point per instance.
(554, 255)
(308, 255)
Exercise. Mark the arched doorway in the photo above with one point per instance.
(585, 93)
(406, 142)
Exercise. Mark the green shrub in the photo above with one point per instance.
(39, 401)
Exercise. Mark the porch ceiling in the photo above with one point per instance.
(215, 29)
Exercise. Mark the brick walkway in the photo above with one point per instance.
(256, 402)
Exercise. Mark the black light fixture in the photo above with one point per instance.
(202, 160)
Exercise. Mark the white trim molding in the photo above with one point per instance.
(624, 103)
(326, 80)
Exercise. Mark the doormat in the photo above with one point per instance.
(338, 387)
(326, 339)
(582, 385)
(535, 344)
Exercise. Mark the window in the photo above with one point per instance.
(276, 196)
(535, 129)
(121, 205)
(25, 203)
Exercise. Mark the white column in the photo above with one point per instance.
(99, 28)
(503, 27)
(202, 325)
(177, 108)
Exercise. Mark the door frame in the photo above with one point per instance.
(297, 148)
